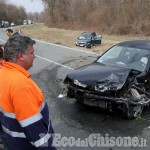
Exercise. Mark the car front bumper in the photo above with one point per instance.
(92, 99)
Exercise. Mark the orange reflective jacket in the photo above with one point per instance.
(24, 114)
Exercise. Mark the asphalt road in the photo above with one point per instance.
(77, 126)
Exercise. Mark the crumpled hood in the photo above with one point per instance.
(99, 76)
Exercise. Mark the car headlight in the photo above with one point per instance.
(108, 86)
(76, 82)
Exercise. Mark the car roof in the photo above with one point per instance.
(140, 44)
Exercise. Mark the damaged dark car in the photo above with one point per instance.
(118, 79)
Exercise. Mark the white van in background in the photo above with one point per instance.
(29, 21)
(25, 22)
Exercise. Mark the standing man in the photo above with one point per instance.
(9, 32)
(24, 114)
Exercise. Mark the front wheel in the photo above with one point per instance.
(88, 45)
(70, 93)
(131, 112)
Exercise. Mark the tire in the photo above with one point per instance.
(70, 93)
(88, 45)
(131, 112)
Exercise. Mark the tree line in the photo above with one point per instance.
(120, 17)
(17, 14)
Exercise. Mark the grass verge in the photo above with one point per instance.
(68, 37)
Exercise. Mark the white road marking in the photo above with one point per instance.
(2, 40)
(65, 47)
(54, 62)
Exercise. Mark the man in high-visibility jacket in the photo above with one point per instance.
(24, 114)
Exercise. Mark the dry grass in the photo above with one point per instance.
(68, 37)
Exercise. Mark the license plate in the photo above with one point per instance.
(81, 45)
(93, 102)
(102, 104)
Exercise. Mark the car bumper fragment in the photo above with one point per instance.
(115, 100)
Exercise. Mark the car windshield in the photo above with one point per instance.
(82, 38)
(132, 58)
(85, 36)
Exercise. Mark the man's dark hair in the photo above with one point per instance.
(16, 44)
(9, 30)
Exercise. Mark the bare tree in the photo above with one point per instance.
(50, 5)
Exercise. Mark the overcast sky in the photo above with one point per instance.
(29, 5)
